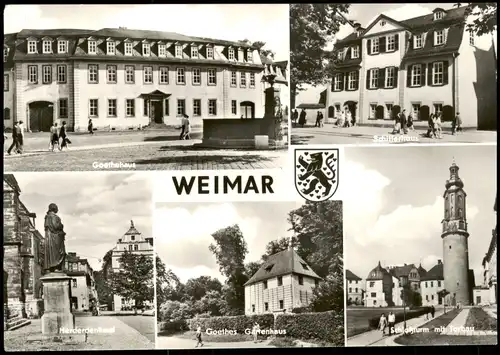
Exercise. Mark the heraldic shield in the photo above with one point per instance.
(316, 173)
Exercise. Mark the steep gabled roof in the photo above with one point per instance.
(399, 271)
(283, 263)
(53, 32)
(387, 18)
(436, 273)
(454, 15)
(11, 181)
(349, 275)
(132, 230)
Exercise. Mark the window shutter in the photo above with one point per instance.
(333, 83)
(381, 78)
(356, 84)
(435, 38)
(445, 34)
(408, 76)
(396, 71)
(381, 44)
(342, 75)
(368, 78)
(167, 107)
(369, 46)
(396, 41)
(429, 74)
(445, 72)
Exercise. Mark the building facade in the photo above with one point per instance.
(424, 65)
(354, 285)
(284, 282)
(23, 254)
(134, 242)
(129, 79)
(83, 290)
(431, 285)
(379, 288)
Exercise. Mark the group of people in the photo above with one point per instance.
(58, 134)
(389, 321)
(404, 123)
(185, 128)
(255, 334)
(344, 118)
(17, 138)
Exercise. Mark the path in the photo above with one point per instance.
(457, 325)
(171, 342)
(375, 337)
(329, 134)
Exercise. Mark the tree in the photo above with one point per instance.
(275, 246)
(251, 268)
(230, 250)
(175, 311)
(166, 283)
(484, 16)
(211, 304)
(312, 26)
(103, 282)
(195, 289)
(135, 278)
(318, 228)
(410, 297)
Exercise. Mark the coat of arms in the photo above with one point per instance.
(316, 173)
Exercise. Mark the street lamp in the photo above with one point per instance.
(404, 303)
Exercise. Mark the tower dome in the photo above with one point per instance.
(377, 273)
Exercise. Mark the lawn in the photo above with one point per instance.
(357, 318)
(143, 324)
(480, 320)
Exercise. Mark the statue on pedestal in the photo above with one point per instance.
(55, 250)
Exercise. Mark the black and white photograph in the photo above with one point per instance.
(119, 87)
(249, 275)
(393, 73)
(421, 246)
(78, 262)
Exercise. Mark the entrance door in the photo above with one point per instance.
(74, 302)
(157, 111)
(478, 300)
(247, 109)
(41, 116)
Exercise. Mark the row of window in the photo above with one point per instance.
(128, 49)
(352, 281)
(389, 43)
(386, 112)
(266, 306)
(355, 290)
(129, 75)
(431, 283)
(437, 74)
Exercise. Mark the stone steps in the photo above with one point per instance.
(17, 324)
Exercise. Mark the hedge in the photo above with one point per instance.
(400, 316)
(322, 326)
(238, 323)
(173, 327)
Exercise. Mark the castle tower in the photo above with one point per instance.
(455, 244)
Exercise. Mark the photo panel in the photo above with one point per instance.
(393, 73)
(420, 245)
(249, 274)
(78, 261)
(147, 94)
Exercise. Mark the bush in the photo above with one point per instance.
(301, 310)
(172, 327)
(373, 322)
(322, 326)
(238, 323)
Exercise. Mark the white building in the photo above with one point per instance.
(431, 284)
(83, 289)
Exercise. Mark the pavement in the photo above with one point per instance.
(330, 134)
(172, 342)
(458, 326)
(375, 337)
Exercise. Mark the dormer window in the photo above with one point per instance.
(304, 266)
(47, 47)
(249, 55)
(162, 50)
(439, 37)
(194, 51)
(146, 49)
(128, 46)
(110, 47)
(62, 46)
(418, 41)
(269, 268)
(355, 52)
(210, 52)
(438, 15)
(339, 55)
(178, 50)
(230, 53)
(472, 38)
(32, 47)
(92, 47)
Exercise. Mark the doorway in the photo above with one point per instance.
(74, 303)
(41, 116)
(157, 111)
(247, 109)
(352, 106)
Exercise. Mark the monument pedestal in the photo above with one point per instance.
(57, 304)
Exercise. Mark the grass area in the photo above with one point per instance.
(143, 324)
(480, 320)
(289, 342)
(148, 157)
(216, 338)
(357, 318)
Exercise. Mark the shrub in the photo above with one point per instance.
(238, 323)
(172, 327)
(324, 326)
(298, 310)
(400, 316)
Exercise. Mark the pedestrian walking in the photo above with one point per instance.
(187, 128)
(348, 118)
(54, 137)
(457, 124)
(382, 324)
(199, 341)
(20, 137)
(397, 124)
(15, 139)
(302, 118)
(64, 137)
(90, 126)
(255, 332)
(404, 127)
(433, 311)
(295, 117)
(391, 319)
(183, 127)
(431, 131)
(438, 125)
(409, 123)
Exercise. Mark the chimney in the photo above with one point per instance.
(356, 28)
(440, 262)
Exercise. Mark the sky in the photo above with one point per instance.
(183, 232)
(395, 207)
(95, 208)
(365, 14)
(256, 22)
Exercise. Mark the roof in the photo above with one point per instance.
(58, 32)
(132, 230)
(435, 273)
(322, 98)
(349, 275)
(377, 273)
(399, 271)
(452, 15)
(11, 181)
(282, 263)
(311, 106)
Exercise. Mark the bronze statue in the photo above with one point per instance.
(55, 251)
